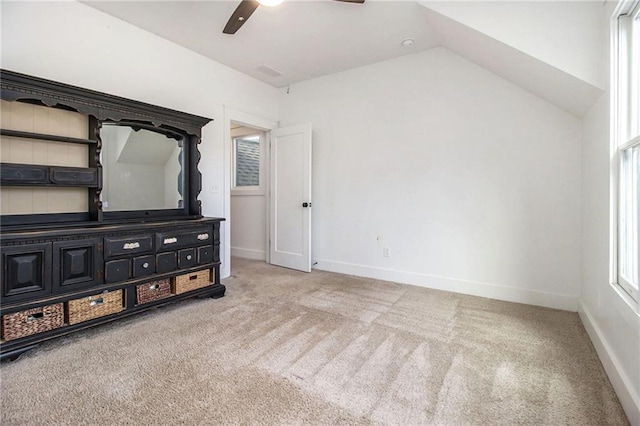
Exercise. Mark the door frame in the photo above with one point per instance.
(266, 125)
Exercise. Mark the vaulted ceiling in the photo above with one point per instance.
(300, 40)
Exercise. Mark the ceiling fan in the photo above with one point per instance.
(247, 7)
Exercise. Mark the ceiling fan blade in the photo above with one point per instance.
(351, 1)
(240, 16)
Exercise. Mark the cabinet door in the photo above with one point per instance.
(77, 264)
(26, 271)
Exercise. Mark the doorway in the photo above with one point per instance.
(249, 192)
(267, 192)
(233, 120)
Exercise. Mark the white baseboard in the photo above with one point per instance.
(249, 253)
(621, 382)
(474, 288)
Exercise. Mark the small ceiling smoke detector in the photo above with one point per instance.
(407, 42)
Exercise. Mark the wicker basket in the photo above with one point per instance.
(32, 321)
(155, 290)
(91, 307)
(192, 281)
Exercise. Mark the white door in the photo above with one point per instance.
(290, 228)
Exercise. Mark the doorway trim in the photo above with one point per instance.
(249, 120)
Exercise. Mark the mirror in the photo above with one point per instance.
(142, 168)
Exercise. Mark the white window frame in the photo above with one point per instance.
(248, 190)
(625, 124)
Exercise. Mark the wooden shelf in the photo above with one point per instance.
(41, 136)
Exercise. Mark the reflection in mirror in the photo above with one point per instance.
(142, 169)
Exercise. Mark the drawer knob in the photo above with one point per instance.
(131, 246)
(189, 257)
(203, 237)
(145, 265)
(96, 302)
(154, 287)
(170, 240)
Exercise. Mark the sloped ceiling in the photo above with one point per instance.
(299, 39)
(150, 148)
(530, 73)
(302, 40)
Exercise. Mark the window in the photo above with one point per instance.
(626, 135)
(248, 162)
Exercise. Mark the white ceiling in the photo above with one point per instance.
(300, 39)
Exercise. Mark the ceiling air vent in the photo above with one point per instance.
(266, 70)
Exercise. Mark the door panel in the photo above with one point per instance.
(77, 264)
(291, 197)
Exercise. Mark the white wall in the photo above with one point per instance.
(248, 227)
(472, 183)
(613, 323)
(76, 44)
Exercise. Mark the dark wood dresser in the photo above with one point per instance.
(140, 240)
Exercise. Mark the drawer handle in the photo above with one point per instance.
(154, 287)
(203, 237)
(170, 240)
(35, 316)
(189, 257)
(145, 265)
(193, 277)
(96, 302)
(131, 246)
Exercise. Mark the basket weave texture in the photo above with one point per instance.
(154, 290)
(192, 281)
(87, 308)
(32, 321)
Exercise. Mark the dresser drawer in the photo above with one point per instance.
(176, 239)
(187, 258)
(144, 265)
(127, 245)
(167, 262)
(205, 254)
(117, 270)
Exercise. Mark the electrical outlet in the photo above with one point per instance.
(385, 252)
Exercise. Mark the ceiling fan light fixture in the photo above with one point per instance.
(270, 3)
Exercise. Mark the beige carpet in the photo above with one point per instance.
(284, 347)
